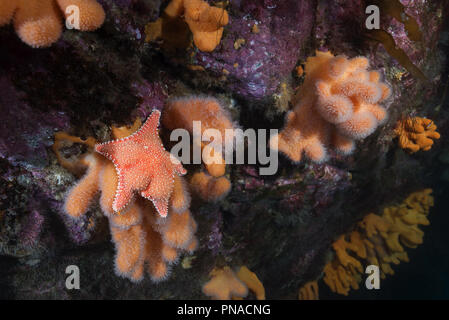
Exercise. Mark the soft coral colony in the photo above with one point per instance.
(156, 227)
(153, 232)
(39, 22)
(182, 113)
(339, 102)
(204, 21)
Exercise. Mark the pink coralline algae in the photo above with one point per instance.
(273, 34)
(428, 23)
(25, 133)
(323, 182)
(31, 228)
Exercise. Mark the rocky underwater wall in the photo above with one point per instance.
(362, 118)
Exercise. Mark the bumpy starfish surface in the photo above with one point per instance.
(142, 165)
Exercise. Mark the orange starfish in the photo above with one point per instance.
(142, 164)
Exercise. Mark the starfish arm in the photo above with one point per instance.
(159, 191)
(124, 193)
(161, 206)
(149, 128)
(106, 149)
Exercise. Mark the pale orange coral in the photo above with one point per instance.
(338, 103)
(140, 235)
(224, 285)
(209, 188)
(38, 22)
(181, 113)
(416, 134)
(86, 189)
(379, 241)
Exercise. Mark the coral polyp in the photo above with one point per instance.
(209, 114)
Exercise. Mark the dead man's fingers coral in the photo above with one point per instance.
(180, 199)
(81, 195)
(129, 248)
(178, 231)
(38, 23)
(205, 22)
(338, 102)
(7, 9)
(224, 285)
(108, 187)
(130, 216)
(209, 188)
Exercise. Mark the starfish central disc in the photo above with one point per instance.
(142, 165)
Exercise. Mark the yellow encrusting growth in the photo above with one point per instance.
(209, 188)
(416, 134)
(378, 240)
(339, 102)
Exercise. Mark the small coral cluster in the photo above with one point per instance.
(155, 232)
(225, 284)
(181, 113)
(38, 22)
(378, 240)
(205, 22)
(338, 103)
(416, 134)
